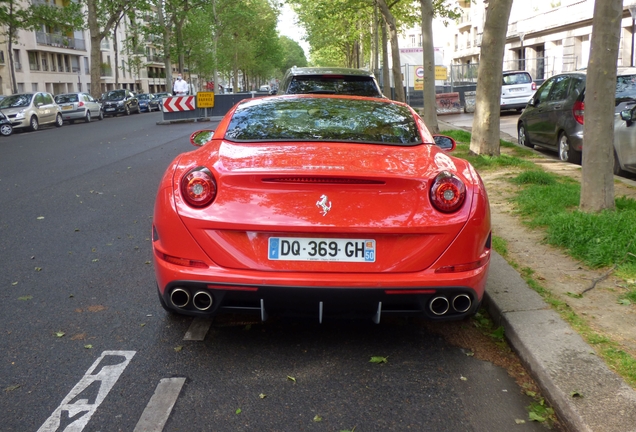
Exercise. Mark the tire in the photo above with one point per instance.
(101, 115)
(138, 110)
(567, 154)
(522, 135)
(127, 110)
(34, 124)
(87, 119)
(617, 166)
(59, 121)
(6, 130)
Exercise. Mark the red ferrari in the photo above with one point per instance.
(321, 205)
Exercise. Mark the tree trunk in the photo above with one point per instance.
(166, 45)
(14, 85)
(96, 53)
(395, 51)
(429, 114)
(486, 121)
(116, 68)
(216, 46)
(597, 184)
(386, 79)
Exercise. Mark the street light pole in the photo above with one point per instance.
(632, 12)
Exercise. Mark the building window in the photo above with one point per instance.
(45, 62)
(20, 87)
(123, 68)
(79, 86)
(34, 64)
(34, 87)
(86, 68)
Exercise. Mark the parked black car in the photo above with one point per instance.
(120, 101)
(148, 102)
(554, 116)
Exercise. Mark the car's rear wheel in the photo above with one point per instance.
(522, 135)
(59, 121)
(101, 115)
(138, 110)
(617, 166)
(566, 152)
(34, 124)
(6, 130)
(87, 119)
(127, 110)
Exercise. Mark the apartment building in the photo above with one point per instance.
(545, 37)
(58, 62)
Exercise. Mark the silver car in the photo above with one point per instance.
(79, 106)
(517, 88)
(625, 141)
(30, 110)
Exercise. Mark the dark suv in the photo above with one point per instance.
(315, 80)
(554, 116)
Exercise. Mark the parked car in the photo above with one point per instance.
(148, 102)
(5, 125)
(516, 90)
(323, 205)
(30, 110)
(264, 88)
(555, 114)
(120, 101)
(343, 81)
(160, 96)
(625, 141)
(79, 106)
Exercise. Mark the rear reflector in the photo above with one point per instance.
(467, 266)
(184, 262)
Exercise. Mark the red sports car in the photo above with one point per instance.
(321, 205)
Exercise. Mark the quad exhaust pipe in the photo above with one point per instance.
(441, 305)
(201, 300)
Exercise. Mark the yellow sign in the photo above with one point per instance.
(205, 100)
(441, 73)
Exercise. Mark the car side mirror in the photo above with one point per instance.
(201, 137)
(445, 143)
(627, 115)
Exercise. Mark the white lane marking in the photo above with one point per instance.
(73, 417)
(156, 414)
(198, 329)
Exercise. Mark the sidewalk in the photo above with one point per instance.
(585, 393)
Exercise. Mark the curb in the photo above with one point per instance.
(189, 120)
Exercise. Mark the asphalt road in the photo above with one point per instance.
(85, 345)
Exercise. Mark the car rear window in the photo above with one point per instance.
(625, 87)
(70, 98)
(323, 119)
(333, 84)
(517, 78)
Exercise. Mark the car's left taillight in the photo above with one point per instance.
(198, 187)
(448, 192)
(80, 104)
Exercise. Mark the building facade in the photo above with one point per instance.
(59, 62)
(544, 37)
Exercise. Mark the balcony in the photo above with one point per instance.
(106, 72)
(58, 40)
(17, 66)
(44, 3)
(155, 59)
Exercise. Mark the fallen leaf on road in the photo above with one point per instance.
(89, 346)
(25, 298)
(317, 418)
(59, 334)
(178, 348)
(463, 378)
(40, 217)
(379, 360)
(262, 396)
(13, 387)
(14, 283)
(291, 378)
(238, 411)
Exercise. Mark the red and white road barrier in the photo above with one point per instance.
(179, 103)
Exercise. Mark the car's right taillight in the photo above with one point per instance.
(198, 187)
(578, 110)
(534, 86)
(448, 192)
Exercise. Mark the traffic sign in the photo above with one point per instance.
(205, 100)
(178, 103)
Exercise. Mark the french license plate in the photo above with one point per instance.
(321, 249)
(515, 90)
(110, 109)
(67, 107)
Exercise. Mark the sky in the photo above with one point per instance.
(287, 27)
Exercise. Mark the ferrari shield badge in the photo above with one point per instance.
(324, 204)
